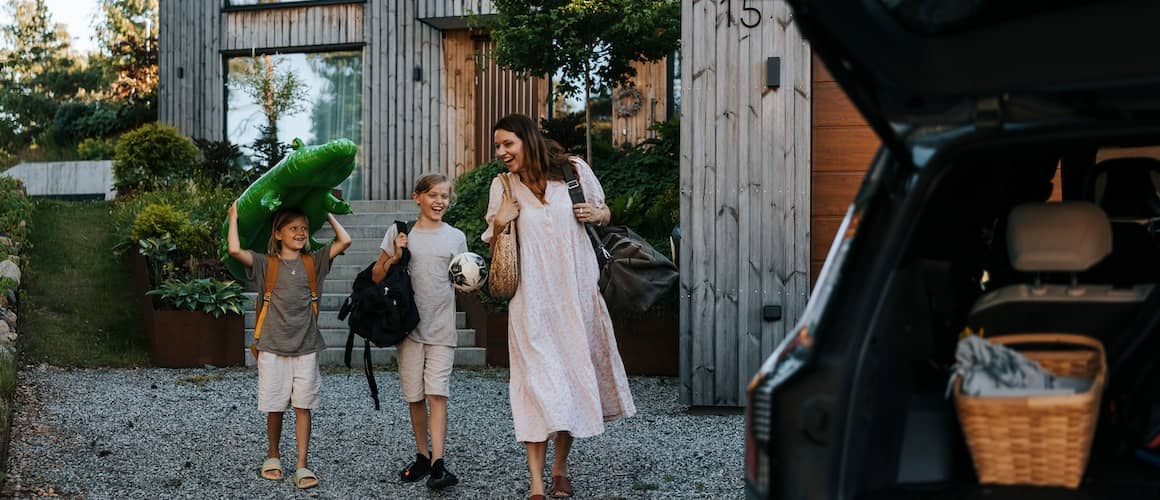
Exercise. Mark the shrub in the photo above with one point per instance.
(151, 157)
(75, 121)
(15, 209)
(470, 204)
(155, 221)
(466, 213)
(196, 242)
(96, 149)
(220, 164)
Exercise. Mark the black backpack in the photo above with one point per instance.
(381, 313)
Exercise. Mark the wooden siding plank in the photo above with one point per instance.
(800, 285)
(832, 108)
(750, 282)
(822, 231)
(818, 71)
(725, 242)
(844, 148)
(685, 337)
(834, 191)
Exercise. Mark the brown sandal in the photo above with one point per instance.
(561, 487)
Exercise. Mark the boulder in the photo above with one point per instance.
(9, 269)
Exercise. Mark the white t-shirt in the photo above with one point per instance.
(431, 253)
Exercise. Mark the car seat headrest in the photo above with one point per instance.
(1126, 187)
(1058, 237)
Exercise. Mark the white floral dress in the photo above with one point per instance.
(566, 374)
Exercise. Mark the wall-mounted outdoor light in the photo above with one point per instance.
(773, 72)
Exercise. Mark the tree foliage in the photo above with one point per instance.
(277, 93)
(590, 42)
(35, 73)
(128, 32)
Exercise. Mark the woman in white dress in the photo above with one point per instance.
(567, 378)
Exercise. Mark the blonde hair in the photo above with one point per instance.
(428, 181)
(281, 219)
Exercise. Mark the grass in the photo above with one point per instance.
(78, 310)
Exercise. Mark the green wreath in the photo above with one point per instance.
(634, 101)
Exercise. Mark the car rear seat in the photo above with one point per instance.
(1069, 238)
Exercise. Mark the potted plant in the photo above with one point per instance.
(192, 315)
(197, 322)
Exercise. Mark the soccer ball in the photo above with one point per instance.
(467, 271)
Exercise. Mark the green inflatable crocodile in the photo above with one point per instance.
(303, 180)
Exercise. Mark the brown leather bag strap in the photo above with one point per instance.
(271, 279)
(308, 261)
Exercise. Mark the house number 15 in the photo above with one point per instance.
(750, 16)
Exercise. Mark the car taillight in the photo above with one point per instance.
(758, 427)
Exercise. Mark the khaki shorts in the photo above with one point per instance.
(424, 369)
(285, 381)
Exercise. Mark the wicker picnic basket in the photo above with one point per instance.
(1042, 440)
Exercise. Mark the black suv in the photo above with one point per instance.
(982, 107)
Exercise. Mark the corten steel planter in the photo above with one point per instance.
(187, 339)
(190, 339)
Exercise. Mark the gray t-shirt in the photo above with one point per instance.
(290, 328)
(431, 253)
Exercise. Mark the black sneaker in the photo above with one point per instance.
(440, 476)
(419, 468)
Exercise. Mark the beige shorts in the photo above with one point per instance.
(285, 381)
(424, 369)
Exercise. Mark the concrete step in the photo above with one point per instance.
(356, 231)
(341, 271)
(335, 335)
(358, 258)
(385, 356)
(362, 206)
(382, 219)
(332, 313)
(359, 245)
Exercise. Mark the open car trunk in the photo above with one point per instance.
(957, 274)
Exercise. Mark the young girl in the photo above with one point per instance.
(426, 355)
(287, 352)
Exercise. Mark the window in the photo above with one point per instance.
(327, 106)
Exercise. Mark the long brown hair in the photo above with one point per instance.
(544, 158)
(281, 219)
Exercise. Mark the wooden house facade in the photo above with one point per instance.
(772, 154)
(429, 92)
(771, 151)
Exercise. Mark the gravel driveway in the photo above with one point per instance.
(156, 433)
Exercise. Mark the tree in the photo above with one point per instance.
(278, 93)
(35, 73)
(127, 31)
(588, 41)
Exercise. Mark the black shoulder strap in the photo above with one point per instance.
(577, 194)
(404, 227)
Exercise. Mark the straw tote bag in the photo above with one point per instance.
(504, 276)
